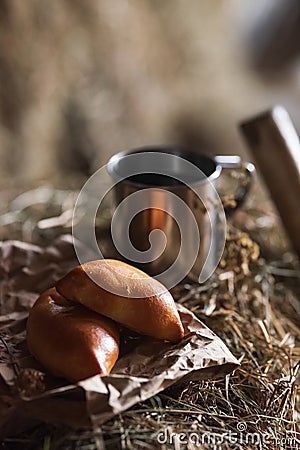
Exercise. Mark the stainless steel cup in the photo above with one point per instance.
(178, 191)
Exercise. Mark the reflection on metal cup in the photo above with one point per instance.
(175, 211)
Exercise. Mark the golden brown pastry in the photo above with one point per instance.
(70, 340)
(126, 295)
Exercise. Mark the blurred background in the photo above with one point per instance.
(81, 80)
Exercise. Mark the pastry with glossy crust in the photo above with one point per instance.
(125, 294)
(70, 340)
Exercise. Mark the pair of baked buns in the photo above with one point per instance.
(73, 330)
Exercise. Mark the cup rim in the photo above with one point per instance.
(176, 150)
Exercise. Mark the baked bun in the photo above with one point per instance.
(70, 340)
(126, 295)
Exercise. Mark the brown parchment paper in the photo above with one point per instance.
(148, 367)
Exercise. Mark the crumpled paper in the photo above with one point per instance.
(147, 367)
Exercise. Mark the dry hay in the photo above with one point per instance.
(253, 305)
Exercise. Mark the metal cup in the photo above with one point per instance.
(174, 210)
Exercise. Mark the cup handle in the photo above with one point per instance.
(233, 201)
